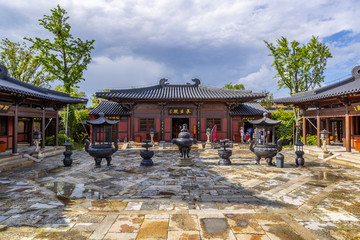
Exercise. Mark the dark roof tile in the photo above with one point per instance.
(348, 86)
(110, 109)
(249, 108)
(12, 85)
(165, 91)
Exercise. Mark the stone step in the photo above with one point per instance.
(20, 162)
(345, 163)
(8, 158)
(352, 160)
(349, 157)
(53, 152)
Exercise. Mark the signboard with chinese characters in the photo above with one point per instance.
(247, 118)
(113, 117)
(4, 107)
(356, 107)
(180, 111)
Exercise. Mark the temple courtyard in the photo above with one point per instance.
(180, 199)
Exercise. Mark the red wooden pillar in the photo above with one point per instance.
(57, 129)
(318, 126)
(304, 130)
(347, 130)
(43, 129)
(15, 130)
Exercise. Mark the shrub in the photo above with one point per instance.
(282, 131)
(310, 139)
(50, 141)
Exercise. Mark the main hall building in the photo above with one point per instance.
(165, 107)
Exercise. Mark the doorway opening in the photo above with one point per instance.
(177, 125)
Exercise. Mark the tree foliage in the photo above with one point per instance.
(285, 129)
(238, 86)
(23, 64)
(76, 115)
(299, 67)
(267, 101)
(96, 101)
(65, 57)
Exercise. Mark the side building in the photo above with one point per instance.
(335, 107)
(25, 108)
(166, 107)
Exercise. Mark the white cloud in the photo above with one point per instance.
(260, 80)
(122, 72)
(121, 28)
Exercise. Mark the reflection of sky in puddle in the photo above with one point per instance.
(73, 191)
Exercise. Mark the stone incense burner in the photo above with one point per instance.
(184, 142)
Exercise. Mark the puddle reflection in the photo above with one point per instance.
(67, 191)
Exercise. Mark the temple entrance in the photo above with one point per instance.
(336, 130)
(177, 125)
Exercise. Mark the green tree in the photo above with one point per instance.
(285, 129)
(267, 101)
(65, 58)
(96, 101)
(238, 86)
(23, 64)
(299, 67)
(76, 114)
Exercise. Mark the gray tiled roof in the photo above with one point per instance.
(248, 108)
(110, 109)
(348, 86)
(11, 85)
(265, 121)
(165, 91)
(101, 120)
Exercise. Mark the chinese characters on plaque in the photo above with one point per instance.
(113, 117)
(356, 107)
(4, 107)
(179, 111)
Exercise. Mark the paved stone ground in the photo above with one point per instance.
(173, 200)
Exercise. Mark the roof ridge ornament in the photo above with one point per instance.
(196, 81)
(356, 71)
(163, 82)
(3, 71)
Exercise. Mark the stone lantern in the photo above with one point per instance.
(67, 153)
(324, 136)
(208, 143)
(152, 133)
(101, 140)
(299, 151)
(37, 140)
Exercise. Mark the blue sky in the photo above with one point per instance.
(139, 42)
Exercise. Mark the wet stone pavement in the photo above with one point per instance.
(176, 199)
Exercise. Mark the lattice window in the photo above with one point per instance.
(146, 124)
(210, 122)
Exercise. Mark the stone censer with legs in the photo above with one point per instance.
(101, 140)
(263, 146)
